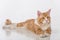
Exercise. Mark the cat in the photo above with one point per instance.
(39, 26)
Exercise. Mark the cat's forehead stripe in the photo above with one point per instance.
(45, 14)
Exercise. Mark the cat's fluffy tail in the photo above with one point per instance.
(8, 22)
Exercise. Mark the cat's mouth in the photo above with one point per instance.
(44, 23)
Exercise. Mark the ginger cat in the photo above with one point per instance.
(40, 25)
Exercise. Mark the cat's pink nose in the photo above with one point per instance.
(47, 21)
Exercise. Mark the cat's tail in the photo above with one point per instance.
(8, 22)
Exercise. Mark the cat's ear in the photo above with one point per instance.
(49, 11)
(38, 13)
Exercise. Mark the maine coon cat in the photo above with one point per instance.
(39, 26)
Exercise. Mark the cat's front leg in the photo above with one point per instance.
(48, 32)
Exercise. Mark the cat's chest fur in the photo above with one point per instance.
(44, 26)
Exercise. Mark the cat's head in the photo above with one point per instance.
(43, 17)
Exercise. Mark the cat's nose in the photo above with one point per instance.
(46, 20)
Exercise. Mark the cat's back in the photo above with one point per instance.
(30, 20)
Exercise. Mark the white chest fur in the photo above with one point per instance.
(45, 26)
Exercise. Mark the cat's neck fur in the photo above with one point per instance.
(36, 22)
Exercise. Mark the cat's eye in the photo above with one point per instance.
(43, 18)
(48, 17)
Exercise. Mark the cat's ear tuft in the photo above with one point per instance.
(49, 11)
(38, 13)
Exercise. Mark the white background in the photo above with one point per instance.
(21, 10)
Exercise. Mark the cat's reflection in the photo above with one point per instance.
(8, 33)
